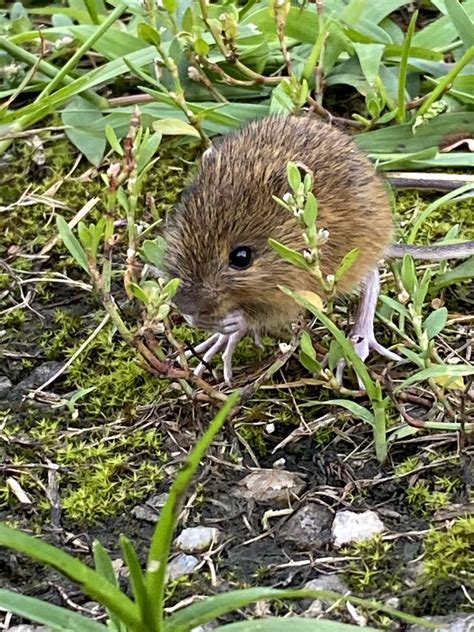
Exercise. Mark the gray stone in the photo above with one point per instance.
(5, 386)
(197, 539)
(181, 565)
(36, 378)
(333, 583)
(349, 527)
(309, 527)
(29, 628)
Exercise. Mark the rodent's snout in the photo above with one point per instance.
(200, 308)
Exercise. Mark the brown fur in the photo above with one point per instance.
(230, 204)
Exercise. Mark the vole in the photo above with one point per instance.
(217, 237)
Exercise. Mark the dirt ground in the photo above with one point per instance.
(98, 468)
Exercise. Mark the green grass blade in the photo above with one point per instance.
(446, 81)
(72, 243)
(91, 583)
(209, 609)
(291, 624)
(447, 370)
(163, 534)
(103, 565)
(54, 617)
(71, 64)
(403, 71)
(137, 580)
(356, 409)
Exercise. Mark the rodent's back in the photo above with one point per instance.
(230, 204)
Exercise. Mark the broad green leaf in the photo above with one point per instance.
(71, 243)
(148, 149)
(77, 116)
(293, 175)
(435, 322)
(112, 139)
(450, 370)
(175, 127)
(307, 355)
(310, 364)
(153, 250)
(356, 409)
(395, 305)
(291, 624)
(54, 617)
(310, 212)
(370, 57)
(91, 583)
(461, 20)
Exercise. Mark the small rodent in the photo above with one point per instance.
(217, 237)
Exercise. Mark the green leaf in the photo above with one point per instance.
(103, 565)
(149, 34)
(294, 176)
(170, 5)
(137, 580)
(356, 409)
(435, 322)
(370, 57)
(112, 139)
(92, 584)
(402, 75)
(175, 127)
(201, 47)
(54, 617)
(290, 255)
(408, 274)
(77, 116)
(450, 370)
(153, 250)
(307, 354)
(291, 624)
(347, 262)
(310, 212)
(147, 150)
(462, 272)
(71, 242)
(163, 534)
(463, 23)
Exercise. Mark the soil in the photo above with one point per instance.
(143, 421)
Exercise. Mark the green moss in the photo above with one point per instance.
(425, 499)
(54, 341)
(376, 566)
(449, 554)
(407, 466)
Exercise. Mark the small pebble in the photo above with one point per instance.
(268, 485)
(181, 565)
(349, 527)
(309, 527)
(5, 385)
(197, 539)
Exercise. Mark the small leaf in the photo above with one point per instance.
(290, 255)
(201, 47)
(138, 293)
(443, 371)
(449, 382)
(356, 409)
(147, 150)
(170, 5)
(408, 274)
(311, 365)
(71, 243)
(310, 213)
(112, 139)
(313, 299)
(435, 322)
(293, 175)
(346, 263)
(171, 288)
(149, 34)
(175, 127)
(153, 251)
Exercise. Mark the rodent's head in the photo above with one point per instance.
(217, 242)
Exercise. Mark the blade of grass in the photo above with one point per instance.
(54, 617)
(461, 20)
(163, 534)
(91, 583)
(446, 81)
(403, 71)
(72, 63)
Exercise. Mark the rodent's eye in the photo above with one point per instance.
(241, 257)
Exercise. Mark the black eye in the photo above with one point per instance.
(241, 257)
